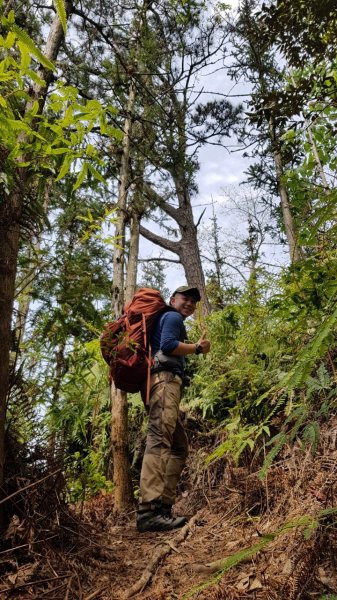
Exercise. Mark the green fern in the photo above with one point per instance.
(24, 38)
(300, 414)
(280, 440)
(300, 373)
(320, 383)
(311, 435)
(62, 13)
(307, 357)
(323, 377)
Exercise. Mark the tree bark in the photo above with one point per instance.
(288, 221)
(136, 208)
(119, 406)
(187, 248)
(319, 165)
(9, 246)
(131, 273)
(189, 252)
(119, 251)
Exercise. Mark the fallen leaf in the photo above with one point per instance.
(13, 578)
(255, 585)
(243, 584)
(288, 567)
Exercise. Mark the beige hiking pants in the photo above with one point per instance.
(166, 445)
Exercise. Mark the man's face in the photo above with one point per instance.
(185, 305)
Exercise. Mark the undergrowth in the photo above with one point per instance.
(270, 377)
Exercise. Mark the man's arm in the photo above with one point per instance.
(184, 349)
(170, 334)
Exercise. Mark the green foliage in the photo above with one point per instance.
(303, 421)
(61, 11)
(34, 139)
(26, 43)
(239, 438)
(241, 362)
(80, 421)
(89, 479)
(314, 350)
(268, 360)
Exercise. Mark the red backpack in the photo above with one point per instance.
(125, 342)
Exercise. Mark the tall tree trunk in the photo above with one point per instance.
(119, 406)
(187, 249)
(136, 209)
(288, 221)
(131, 273)
(189, 252)
(216, 247)
(317, 159)
(10, 217)
(9, 246)
(25, 285)
(252, 283)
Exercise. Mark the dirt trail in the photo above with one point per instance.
(281, 531)
(279, 537)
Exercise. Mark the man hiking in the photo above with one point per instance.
(166, 445)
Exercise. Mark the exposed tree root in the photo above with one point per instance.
(161, 552)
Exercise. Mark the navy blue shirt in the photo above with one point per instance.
(168, 332)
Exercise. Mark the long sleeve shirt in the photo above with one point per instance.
(168, 332)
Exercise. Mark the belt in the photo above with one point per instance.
(155, 370)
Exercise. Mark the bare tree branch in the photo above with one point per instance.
(159, 240)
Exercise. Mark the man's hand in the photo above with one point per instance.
(204, 344)
(183, 348)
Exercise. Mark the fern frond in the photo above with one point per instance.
(280, 440)
(62, 14)
(219, 451)
(311, 435)
(305, 362)
(323, 376)
(307, 357)
(25, 39)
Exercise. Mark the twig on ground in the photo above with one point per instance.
(223, 517)
(59, 587)
(32, 583)
(29, 486)
(96, 593)
(163, 550)
(68, 588)
(28, 545)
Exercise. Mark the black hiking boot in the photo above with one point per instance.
(152, 520)
(166, 509)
